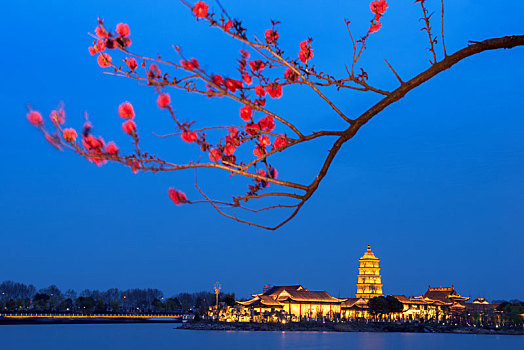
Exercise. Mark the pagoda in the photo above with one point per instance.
(369, 285)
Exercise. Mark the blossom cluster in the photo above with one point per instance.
(378, 8)
(108, 40)
(251, 88)
(306, 53)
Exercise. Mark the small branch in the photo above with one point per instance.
(262, 132)
(241, 220)
(442, 29)
(396, 75)
(269, 194)
(428, 30)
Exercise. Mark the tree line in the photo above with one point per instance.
(20, 297)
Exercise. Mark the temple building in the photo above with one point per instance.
(436, 304)
(354, 308)
(448, 296)
(369, 285)
(295, 301)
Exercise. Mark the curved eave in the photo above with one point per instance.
(310, 301)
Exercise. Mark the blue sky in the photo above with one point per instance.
(434, 183)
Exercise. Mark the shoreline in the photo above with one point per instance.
(81, 320)
(345, 327)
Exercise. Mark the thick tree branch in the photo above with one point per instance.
(506, 42)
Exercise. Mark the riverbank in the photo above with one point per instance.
(85, 320)
(345, 327)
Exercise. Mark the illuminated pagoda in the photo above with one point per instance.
(369, 285)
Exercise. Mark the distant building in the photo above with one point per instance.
(355, 308)
(436, 304)
(294, 303)
(369, 284)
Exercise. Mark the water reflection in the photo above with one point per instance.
(163, 336)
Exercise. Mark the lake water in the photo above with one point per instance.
(163, 336)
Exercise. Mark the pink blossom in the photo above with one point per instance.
(291, 75)
(378, 7)
(101, 32)
(200, 9)
(126, 111)
(214, 155)
(35, 118)
(217, 80)
(228, 25)
(129, 127)
(306, 53)
(247, 79)
(274, 90)
(280, 142)
(267, 123)
(104, 60)
(190, 64)
(232, 85)
(163, 100)
(111, 148)
(259, 151)
(189, 136)
(271, 36)
(246, 112)
(264, 140)
(375, 27)
(131, 63)
(69, 134)
(257, 65)
(123, 29)
(260, 91)
(178, 197)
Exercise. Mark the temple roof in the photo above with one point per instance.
(276, 294)
(261, 300)
(308, 296)
(419, 300)
(369, 255)
(357, 302)
(275, 290)
(444, 294)
(480, 301)
(402, 298)
(480, 307)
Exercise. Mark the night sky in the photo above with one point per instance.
(434, 183)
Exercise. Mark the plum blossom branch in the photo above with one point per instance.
(257, 132)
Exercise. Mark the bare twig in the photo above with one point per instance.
(396, 75)
(442, 29)
(427, 28)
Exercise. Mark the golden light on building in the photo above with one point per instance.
(294, 303)
(369, 284)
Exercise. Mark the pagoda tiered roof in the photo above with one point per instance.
(369, 255)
